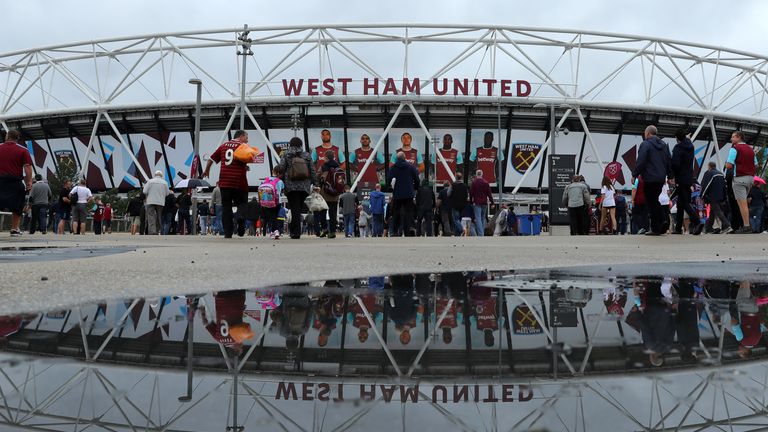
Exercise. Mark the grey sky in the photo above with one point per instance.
(32, 23)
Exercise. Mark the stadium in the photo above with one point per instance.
(122, 108)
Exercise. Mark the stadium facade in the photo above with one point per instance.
(122, 108)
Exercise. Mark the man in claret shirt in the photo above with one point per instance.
(233, 183)
(412, 155)
(318, 153)
(452, 317)
(358, 318)
(452, 156)
(358, 158)
(228, 328)
(486, 158)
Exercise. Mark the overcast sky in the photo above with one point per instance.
(31, 23)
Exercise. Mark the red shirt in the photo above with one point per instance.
(13, 157)
(372, 304)
(450, 156)
(485, 312)
(107, 213)
(230, 307)
(320, 152)
(450, 318)
(411, 156)
(98, 215)
(370, 174)
(486, 161)
(232, 174)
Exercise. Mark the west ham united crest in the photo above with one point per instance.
(523, 155)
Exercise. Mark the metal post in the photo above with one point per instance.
(435, 142)
(192, 308)
(553, 133)
(196, 146)
(554, 352)
(246, 43)
(499, 181)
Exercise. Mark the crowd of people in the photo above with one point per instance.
(665, 198)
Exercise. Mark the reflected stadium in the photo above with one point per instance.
(546, 350)
(122, 108)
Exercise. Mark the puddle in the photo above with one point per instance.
(56, 253)
(547, 350)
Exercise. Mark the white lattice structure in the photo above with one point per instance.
(608, 82)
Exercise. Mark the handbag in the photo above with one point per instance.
(316, 202)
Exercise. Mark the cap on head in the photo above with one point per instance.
(158, 173)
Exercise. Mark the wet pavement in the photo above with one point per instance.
(619, 347)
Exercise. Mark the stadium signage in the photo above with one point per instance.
(404, 86)
(476, 393)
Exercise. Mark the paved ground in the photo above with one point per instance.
(172, 265)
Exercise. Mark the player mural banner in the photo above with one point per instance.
(523, 155)
(524, 321)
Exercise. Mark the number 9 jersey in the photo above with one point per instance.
(233, 172)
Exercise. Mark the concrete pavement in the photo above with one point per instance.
(156, 266)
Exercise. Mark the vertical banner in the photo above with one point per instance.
(561, 169)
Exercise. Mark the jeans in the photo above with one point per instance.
(217, 219)
(458, 230)
(481, 215)
(39, 218)
(756, 219)
(349, 225)
(203, 225)
(319, 218)
(377, 225)
(167, 221)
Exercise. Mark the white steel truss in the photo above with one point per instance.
(583, 69)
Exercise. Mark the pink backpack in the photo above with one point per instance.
(268, 193)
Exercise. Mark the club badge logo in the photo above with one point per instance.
(523, 155)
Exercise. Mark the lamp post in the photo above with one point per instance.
(196, 147)
(246, 43)
(191, 310)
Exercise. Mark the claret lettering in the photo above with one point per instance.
(399, 393)
(406, 86)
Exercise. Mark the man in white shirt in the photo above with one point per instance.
(155, 190)
(79, 211)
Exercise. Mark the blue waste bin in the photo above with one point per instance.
(529, 224)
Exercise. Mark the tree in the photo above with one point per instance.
(67, 170)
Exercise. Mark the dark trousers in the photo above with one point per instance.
(295, 204)
(652, 191)
(577, 217)
(39, 219)
(97, 227)
(447, 222)
(184, 226)
(232, 198)
(402, 214)
(425, 218)
(684, 205)
(639, 218)
(333, 216)
(716, 211)
(377, 225)
(268, 219)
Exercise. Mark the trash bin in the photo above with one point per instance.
(529, 224)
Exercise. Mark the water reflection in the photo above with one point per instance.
(446, 344)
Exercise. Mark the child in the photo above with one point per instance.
(362, 222)
(467, 215)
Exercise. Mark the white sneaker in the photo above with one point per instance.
(727, 231)
(276, 235)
